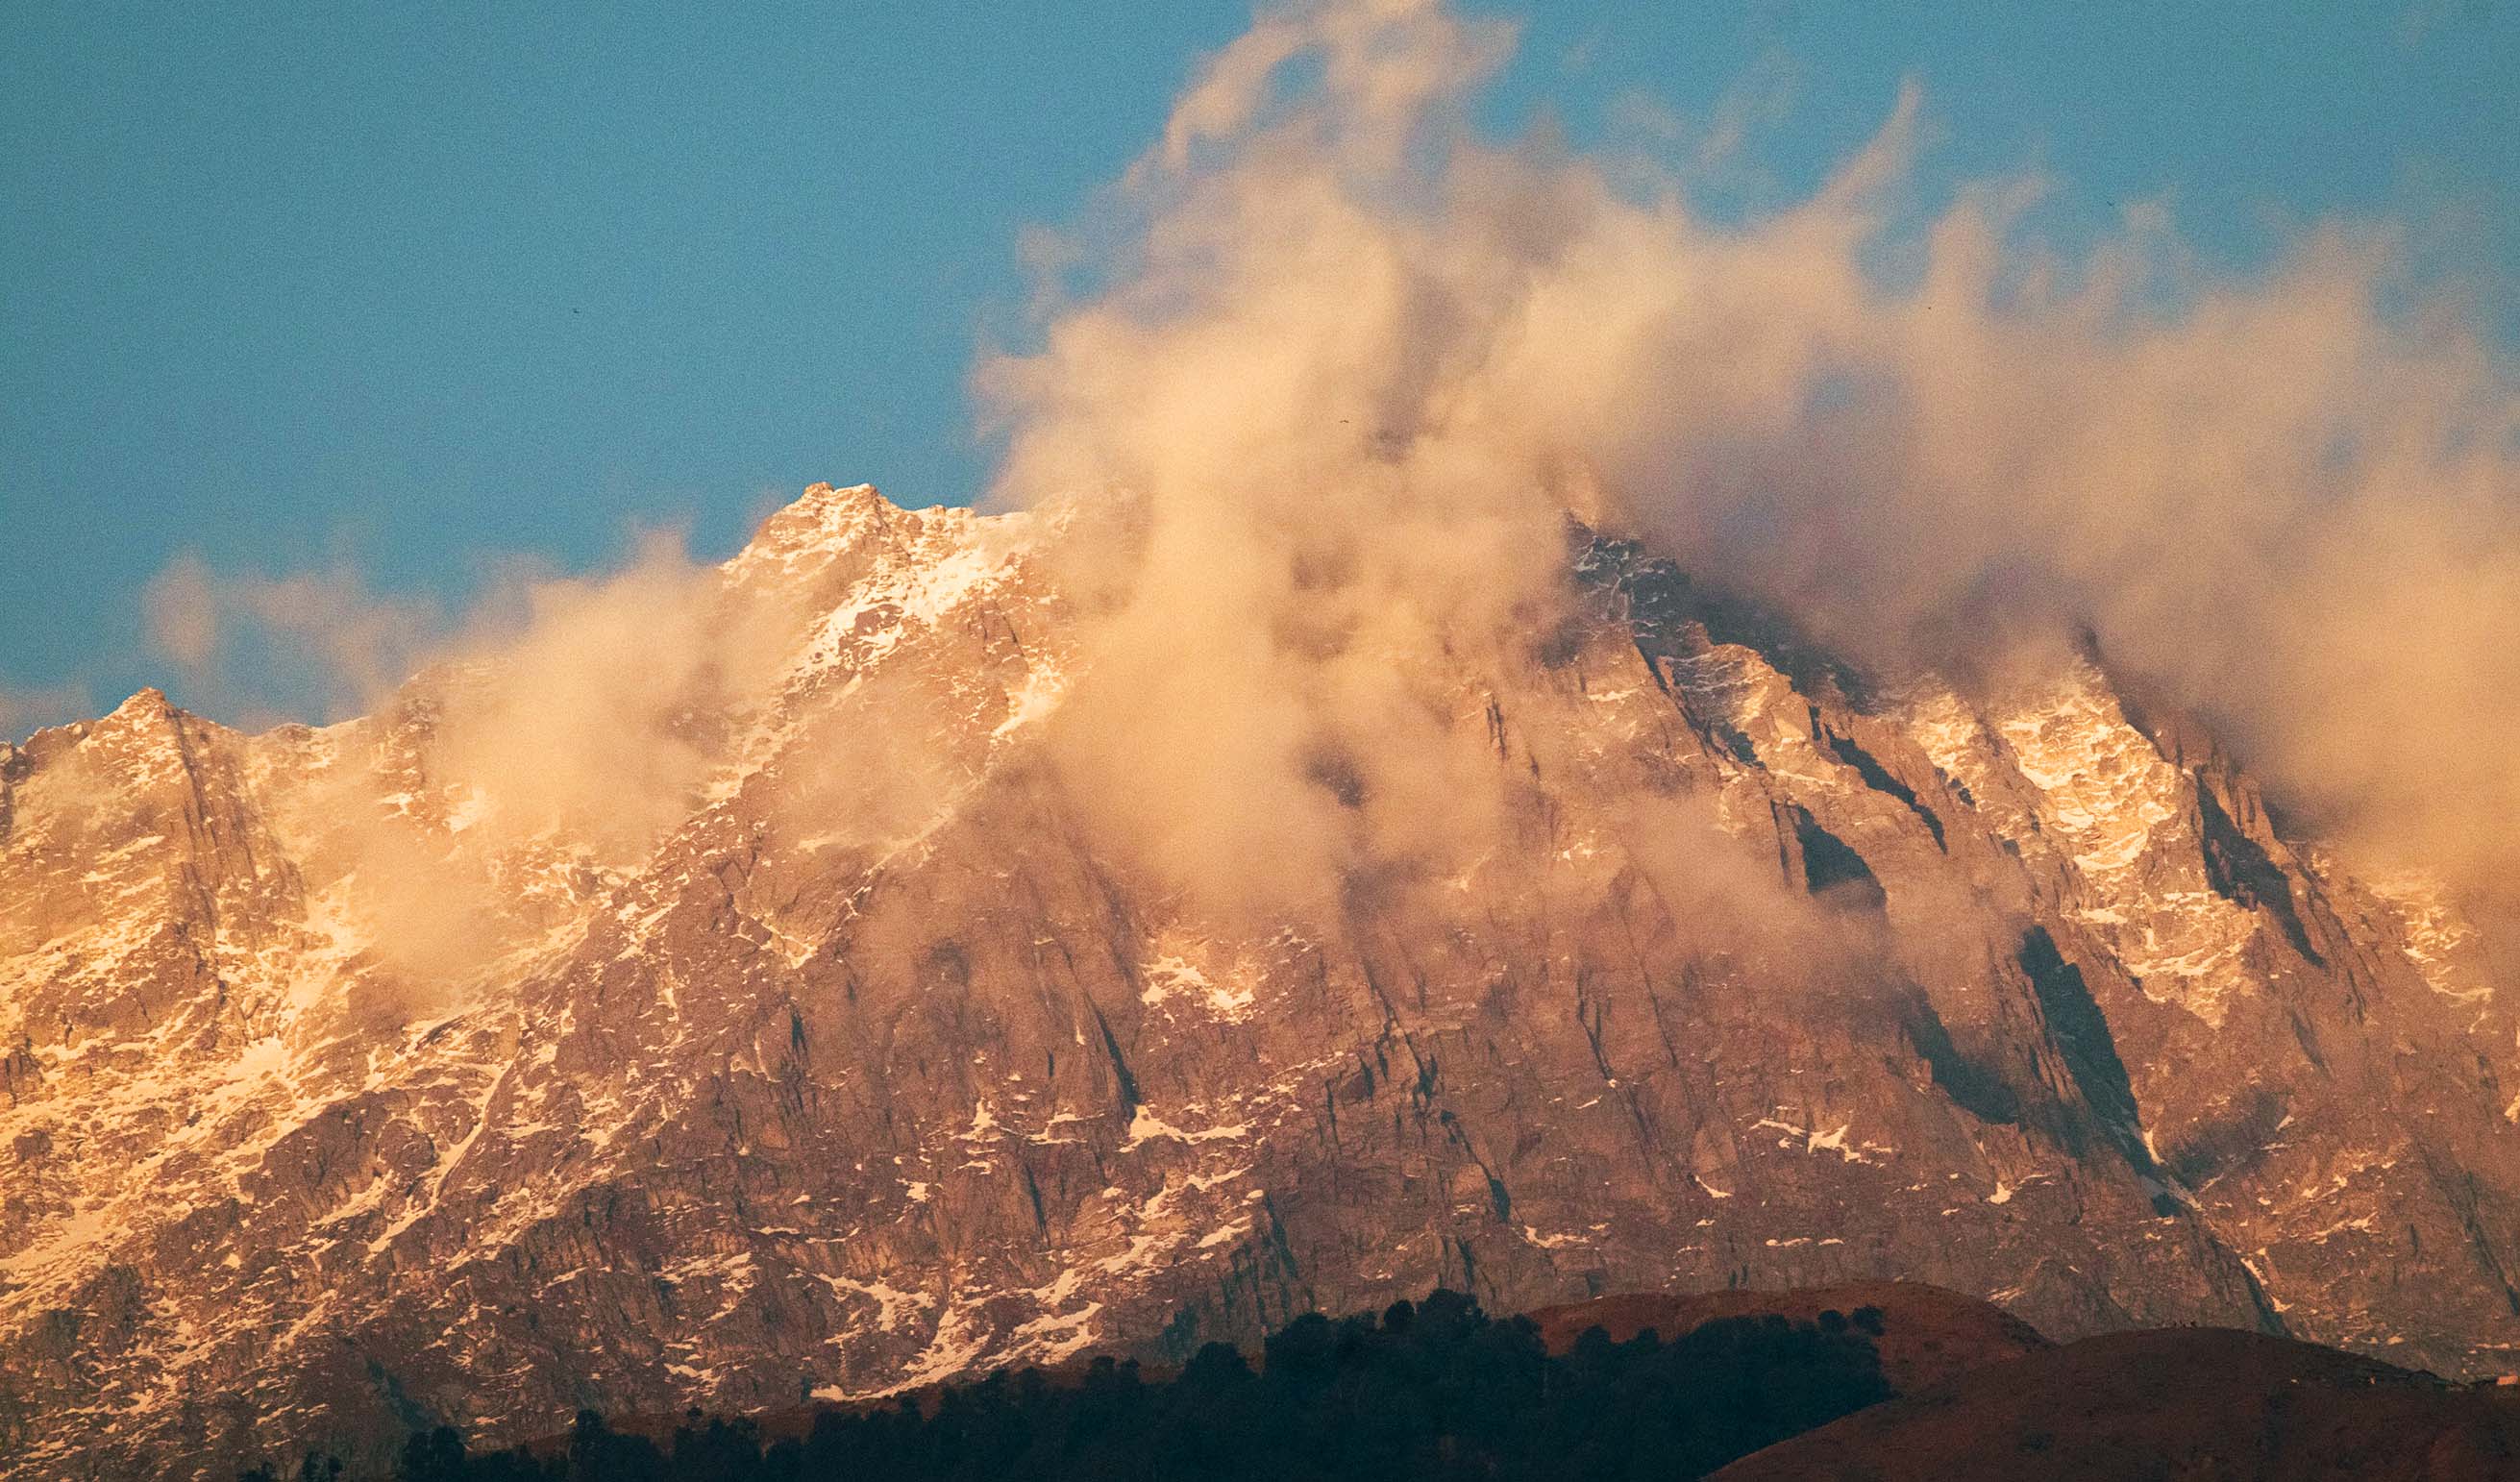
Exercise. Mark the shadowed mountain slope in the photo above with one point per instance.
(2200, 1402)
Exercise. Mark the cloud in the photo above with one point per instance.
(567, 721)
(1353, 360)
(181, 610)
(1337, 528)
(27, 708)
(566, 702)
(2419, 21)
(319, 638)
(593, 705)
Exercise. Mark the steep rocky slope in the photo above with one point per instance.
(877, 1069)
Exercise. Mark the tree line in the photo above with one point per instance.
(1436, 1390)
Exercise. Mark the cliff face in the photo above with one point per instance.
(834, 1100)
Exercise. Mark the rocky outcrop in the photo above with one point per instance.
(836, 1100)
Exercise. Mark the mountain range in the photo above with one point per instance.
(343, 1094)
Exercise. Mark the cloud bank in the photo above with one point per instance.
(1355, 360)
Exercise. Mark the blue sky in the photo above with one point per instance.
(415, 289)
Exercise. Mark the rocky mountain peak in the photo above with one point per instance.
(827, 525)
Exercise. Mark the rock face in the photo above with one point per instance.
(769, 1112)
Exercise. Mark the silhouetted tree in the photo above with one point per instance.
(1435, 1390)
(433, 1456)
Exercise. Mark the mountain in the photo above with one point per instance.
(864, 1061)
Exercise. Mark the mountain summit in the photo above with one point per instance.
(807, 1032)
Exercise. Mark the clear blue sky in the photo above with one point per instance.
(418, 286)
